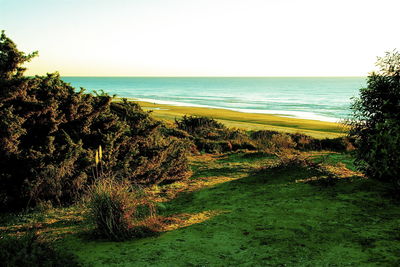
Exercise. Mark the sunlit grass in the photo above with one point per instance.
(249, 121)
(181, 220)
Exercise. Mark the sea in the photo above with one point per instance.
(316, 98)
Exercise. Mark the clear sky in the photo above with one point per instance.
(203, 37)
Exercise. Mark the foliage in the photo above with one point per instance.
(273, 140)
(111, 208)
(195, 125)
(282, 142)
(289, 159)
(212, 136)
(49, 133)
(118, 209)
(376, 122)
(29, 250)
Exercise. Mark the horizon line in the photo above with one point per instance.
(294, 76)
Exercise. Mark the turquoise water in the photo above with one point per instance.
(319, 98)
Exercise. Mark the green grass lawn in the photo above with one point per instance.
(257, 216)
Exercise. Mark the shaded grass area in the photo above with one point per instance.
(243, 214)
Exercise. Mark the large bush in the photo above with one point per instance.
(376, 122)
(49, 132)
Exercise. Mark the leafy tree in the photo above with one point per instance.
(376, 122)
(49, 133)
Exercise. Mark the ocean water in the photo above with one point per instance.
(318, 98)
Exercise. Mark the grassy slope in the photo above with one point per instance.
(262, 217)
(249, 121)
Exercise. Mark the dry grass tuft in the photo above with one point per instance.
(116, 209)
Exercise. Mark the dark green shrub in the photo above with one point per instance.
(195, 125)
(282, 142)
(172, 131)
(376, 122)
(242, 143)
(339, 144)
(212, 146)
(29, 250)
(49, 133)
(263, 134)
(143, 153)
(213, 137)
(271, 139)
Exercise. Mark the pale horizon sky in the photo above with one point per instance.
(203, 37)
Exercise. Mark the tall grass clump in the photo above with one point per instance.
(116, 206)
(121, 211)
(111, 208)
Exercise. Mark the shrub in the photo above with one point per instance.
(212, 146)
(213, 137)
(291, 158)
(143, 153)
(49, 132)
(29, 250)
(336, 144)
(263, 135)
(376, 122)
(195, 125)
(274, 140)
(282, 142)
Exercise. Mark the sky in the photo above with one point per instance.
(203, 37)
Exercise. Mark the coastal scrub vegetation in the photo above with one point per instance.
(376, 122)
(211, 136)
(225, 196)
(274, 140)
(49, 133)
